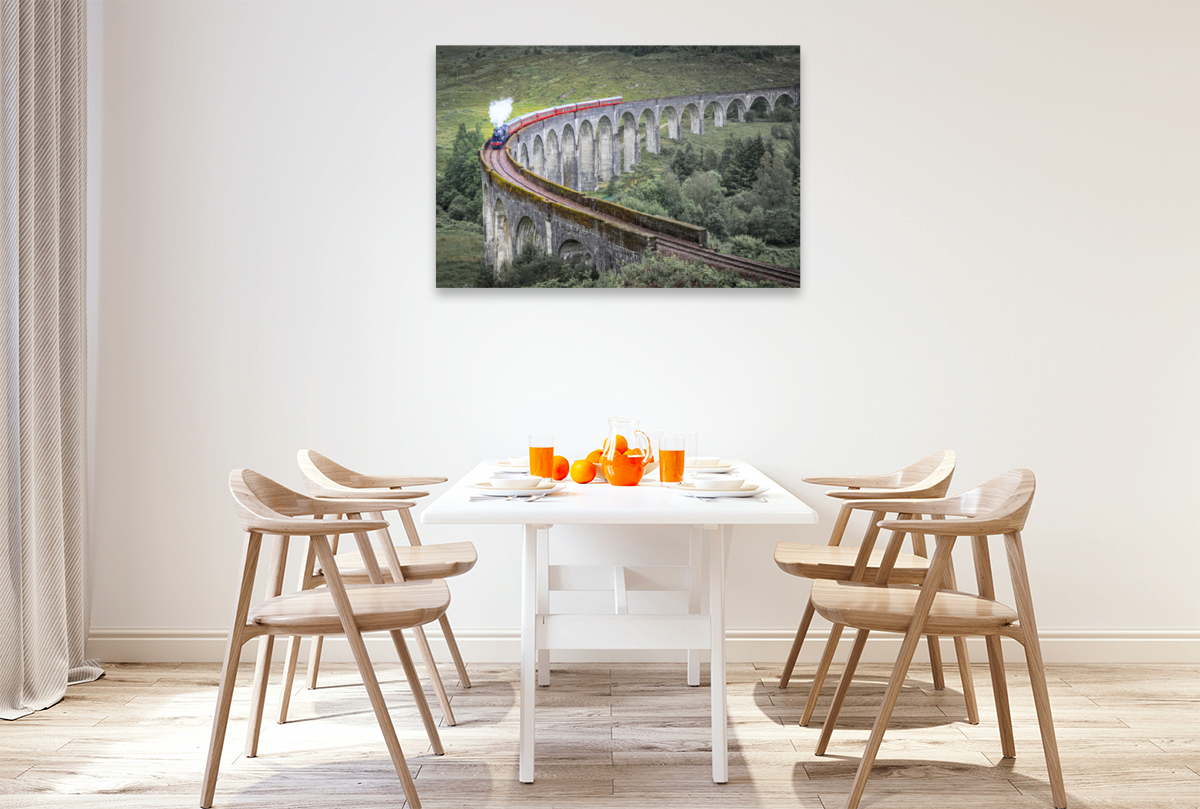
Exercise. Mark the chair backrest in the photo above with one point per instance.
(928, 477)
(266, 507)
(318, 469)
(999, 506)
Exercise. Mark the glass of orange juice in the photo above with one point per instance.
(671, 449)
(541, 455)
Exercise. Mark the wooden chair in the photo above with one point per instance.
(998, 507)
(406, 563)
(928, 477)
(264, 508)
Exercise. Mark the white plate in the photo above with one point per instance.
(498, 489)
(708, 465)
(747, 490)
(709, 470)
(509, 466)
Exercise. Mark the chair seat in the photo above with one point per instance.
(837, 563)
(889, 608)
(376, 607)
(417, 562)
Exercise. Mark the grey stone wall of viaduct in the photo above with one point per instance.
(583, 150)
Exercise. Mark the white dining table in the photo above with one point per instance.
(649, 503)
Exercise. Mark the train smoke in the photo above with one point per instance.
(499, 111)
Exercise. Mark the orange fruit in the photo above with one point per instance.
(622, 445)
(595, 455)
(634, 451)
(560, 466)
(583, 471)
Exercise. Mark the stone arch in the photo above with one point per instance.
(587, 157)
(574, 252)
(696, 118)
(736, 110)
(527, 233)
(718, 112)
(539, 157)
(629, 142)
(570, 160)
(672, 116)
(553, 160)
(760, 109)
(501, 238)
(648, 123)
(604, 148)
(524, 155)
(785, 101)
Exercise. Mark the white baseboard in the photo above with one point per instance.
(742, 646)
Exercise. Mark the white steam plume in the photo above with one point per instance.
(500, 111)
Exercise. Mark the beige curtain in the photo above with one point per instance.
(43, 496)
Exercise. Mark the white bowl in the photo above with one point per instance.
(723, 483)
(518, 482)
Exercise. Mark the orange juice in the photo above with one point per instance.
(670, 465)
(541, 461)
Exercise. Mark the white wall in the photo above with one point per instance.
(1000, 256)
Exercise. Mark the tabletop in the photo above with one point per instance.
(648, 503)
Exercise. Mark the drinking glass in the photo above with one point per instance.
(671, 455)
(541, 455)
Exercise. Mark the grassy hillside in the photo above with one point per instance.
(470, 78)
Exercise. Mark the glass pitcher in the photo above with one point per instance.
(628, 453)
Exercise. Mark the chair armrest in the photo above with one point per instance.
(308, 528)
(360, 494)
(949, 528)
(878, 494)
(348, 505)
(397, 481)
(914, 505)
(855, 481)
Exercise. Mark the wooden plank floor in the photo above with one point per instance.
(610, 736)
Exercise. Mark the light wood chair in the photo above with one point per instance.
(928, 477)
(266, 508)
(406, 563)
(998, 507)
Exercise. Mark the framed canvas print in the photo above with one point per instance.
(634, 166)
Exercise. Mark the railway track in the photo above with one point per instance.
(498, 161)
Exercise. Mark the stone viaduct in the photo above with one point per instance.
(579, 152)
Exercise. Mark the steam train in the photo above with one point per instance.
(504, 131)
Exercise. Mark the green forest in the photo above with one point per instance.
(741, 182)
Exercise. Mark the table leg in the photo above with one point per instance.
(543, 600)
(695, 566)
(529, 598)
(716, 608)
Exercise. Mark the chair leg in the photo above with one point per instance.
(790, 663)
(435, 677)
(258, 694)
(968, 682)
(464, 679)
(220, 723)
(414, 684)
(895, 685)
(839, 697)
(262, 666)
(1037, 669)
(289, 676)
(1008, 743)
(935, 662)
(314, 661)
(233, 651)
(835, 634)
(367, 671)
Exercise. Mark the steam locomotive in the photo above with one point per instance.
(504, 131)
